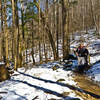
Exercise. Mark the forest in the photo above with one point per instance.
(43, 28)
(43, 33)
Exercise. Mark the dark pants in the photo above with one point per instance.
(82, 63)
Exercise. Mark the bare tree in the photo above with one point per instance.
(15, 32)
(66, 38)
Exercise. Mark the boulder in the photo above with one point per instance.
(4, 73)
(70, 57)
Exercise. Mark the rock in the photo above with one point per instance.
(55, 67)
(65, 94)
(4, 73)
(70, 57)
(60, 80)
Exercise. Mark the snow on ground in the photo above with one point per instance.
(94, 50)
(38, 82)
(93, 45)
(94, 72)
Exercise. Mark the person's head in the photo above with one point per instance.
(81, 45)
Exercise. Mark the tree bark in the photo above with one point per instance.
(39, 33)
(3, 52)
(6, 32)
(93, 16)
(15, 32)
(65, 30)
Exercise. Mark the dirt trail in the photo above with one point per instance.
(91, 90)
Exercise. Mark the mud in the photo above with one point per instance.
(90, 89)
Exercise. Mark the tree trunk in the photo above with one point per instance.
(57, 28)
(3, 52)
(23, 32)
(39, 33)
(65, 30)
(56, 24)
(93, 16)
(6, 32)
(47, 28)
(15, 32)
(33, 44)
(83, 15)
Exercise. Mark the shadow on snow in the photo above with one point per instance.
(58, 83)
(19, 96)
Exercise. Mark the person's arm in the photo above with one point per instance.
(76, 52)
(86, 52)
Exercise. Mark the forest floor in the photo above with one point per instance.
(52, 81)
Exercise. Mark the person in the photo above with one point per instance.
(82, 55)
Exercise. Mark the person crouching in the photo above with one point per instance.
(82, 55)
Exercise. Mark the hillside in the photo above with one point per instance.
(52, 81)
